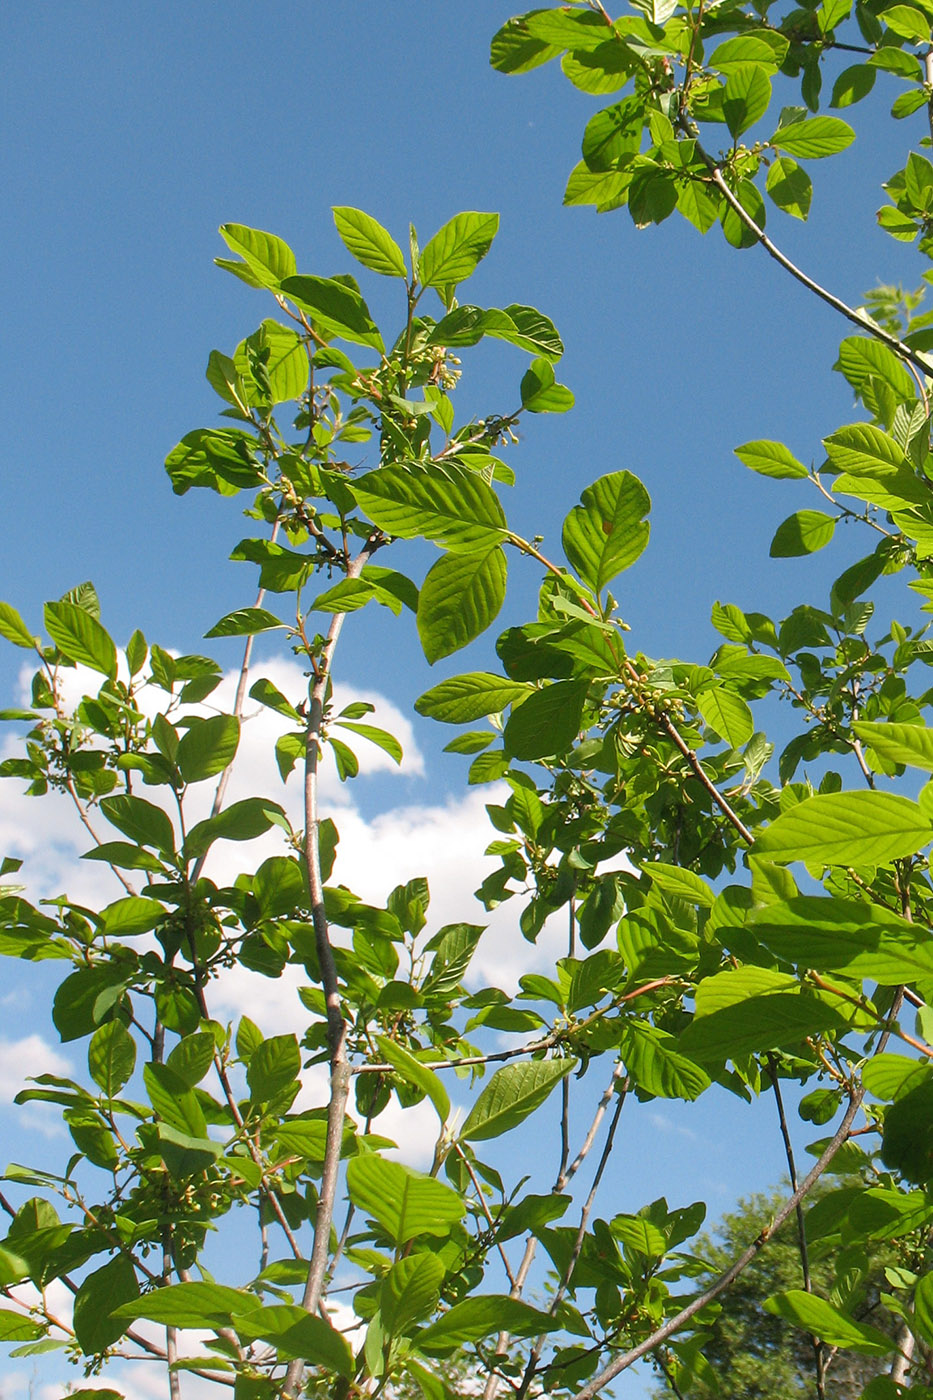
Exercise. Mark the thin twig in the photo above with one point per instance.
(484, 1206)
(801, 1227)
(239, 704)
(620, 1092)
(849, 312)
(336, 1026)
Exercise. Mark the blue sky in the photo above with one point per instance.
(132, 130)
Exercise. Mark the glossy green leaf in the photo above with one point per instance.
(380, 737)
(804, 532)
(862, 940)
(410, 1291)
(111, 1057)
(452, 506)
(547, 722)
(208, 747)
(452, 255)
(241, 821)
(861, 359)
(900, 743)
(727, 714)
(297, 1334)
(613, 133)
(779, 1020)
(173, 1101)
(862, 449)
(404, 1202)
(369, 242)
(267, 257)
(275, 1064)
(15, 1326)
(337, 310)
(790, 187)
(540, 391)
(770, 459)
(814, 137)
(141, 821)
(244, 622)
(14, 629)
(480, 1316)
(908, 22)
(514, 49)
(746, 98)
(416, 1073)
(461, 595)
(474, 695)
(682, 884)
(80, 637)
(514, 1092)
(194, 1304)
(607, 532)
(653, 1059)
(847, 828)
(100, 1293)
(820, 1318)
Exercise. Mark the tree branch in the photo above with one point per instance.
(738, 1267)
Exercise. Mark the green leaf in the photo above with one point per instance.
(682, 884)
(540, 391)
(245, 622)
(514, 1092)
(790, 187)
(452, 506)
(607, 532)
(191, 1305)
(412, 1070)
(453, 253)
(862, 359)
(775, 1021)
(267, 257)
(404, 1202)
(141, 821)
(15, 1326)
(900, 743)
(111, 1057)
(770, 459)
(380, 737)
(173, 1101)
(241, 821)
(746, 98)
(272, 1066)
(336, 309)
(410, 1291)
(297, 1335)
(480, 1316)
(862, 940)
(736, 229)
(547, 722)
(14, 629)
(814, 137)
(847, 828)
(369, 242)
(462, 699)
(908, 23)
(100, 1293)
(818, 1317)
(653, 1059)
(726, 713)
(804, 532)
(208, 747)
(125, 918)
(80, 637)
(192, 1057)
(515, 50)
(461, 595)
(613, 133)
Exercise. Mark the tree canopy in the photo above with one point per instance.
(735, 916)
